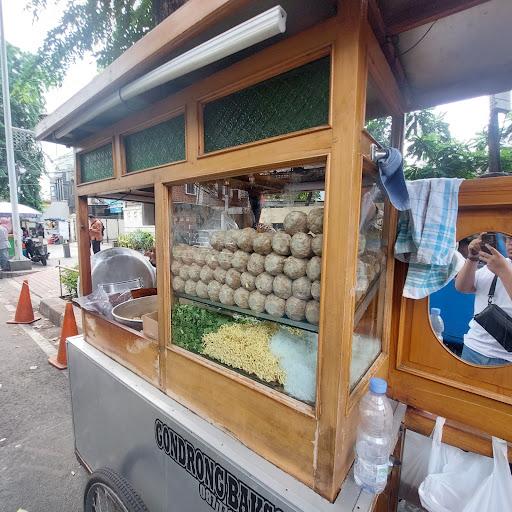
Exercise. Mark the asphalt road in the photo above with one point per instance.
(38, 468)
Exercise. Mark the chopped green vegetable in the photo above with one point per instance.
(191, 323)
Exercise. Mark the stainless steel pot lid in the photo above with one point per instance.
(121, 264)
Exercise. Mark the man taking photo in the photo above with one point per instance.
(479, 346)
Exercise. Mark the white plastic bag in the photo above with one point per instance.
(422, 456)
(414, 465)
(453, 476)
(495, 493)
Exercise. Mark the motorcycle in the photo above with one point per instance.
(37, 251)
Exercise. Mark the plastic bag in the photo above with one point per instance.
(97, 301)
(453, 476)
(495, 493)
(118, 298)
(414, 465)
(368, 207)
(422, 456)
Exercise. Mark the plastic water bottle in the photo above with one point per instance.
(373, 445)
(437, 322)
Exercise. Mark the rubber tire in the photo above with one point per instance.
(119, 486)
(43, 261)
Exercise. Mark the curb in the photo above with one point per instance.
(53, 309)
(6, 274)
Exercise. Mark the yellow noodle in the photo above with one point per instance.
(246, 347)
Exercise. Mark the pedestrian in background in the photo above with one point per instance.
(4, 248)
(95, 233)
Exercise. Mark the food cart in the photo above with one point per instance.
(270, 326)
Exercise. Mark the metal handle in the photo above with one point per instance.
(377, 153)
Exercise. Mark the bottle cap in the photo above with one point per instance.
(378, 386)
(435, 311)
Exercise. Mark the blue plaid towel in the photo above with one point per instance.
(426, 236)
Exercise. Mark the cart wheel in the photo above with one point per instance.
(107, 491)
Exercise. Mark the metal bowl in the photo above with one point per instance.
(130, 312)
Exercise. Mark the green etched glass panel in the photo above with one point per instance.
(97, 164)
(292, 101)
(158, 145)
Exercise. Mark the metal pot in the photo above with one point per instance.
(130, 312)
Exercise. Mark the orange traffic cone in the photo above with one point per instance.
(24, 312)
(69, 328)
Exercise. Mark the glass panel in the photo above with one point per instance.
(370, 282)
(453, 307)
(377, 123)
(96, 165)
(246, 262)
(157, 145)
(289, 102)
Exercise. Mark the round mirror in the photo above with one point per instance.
(453, 308)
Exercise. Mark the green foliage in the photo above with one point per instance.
(28, 82)
(69, 279)
(380, 129)
(426, 122)
(432, 152)
(138, 240)
(106, 28)
(191, 323)
(432, 156)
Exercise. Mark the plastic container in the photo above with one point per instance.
(373, 445)
(436, 322)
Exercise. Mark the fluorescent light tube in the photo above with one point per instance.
(267, 24)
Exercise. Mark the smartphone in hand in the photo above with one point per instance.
(489, 239)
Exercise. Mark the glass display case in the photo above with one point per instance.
(370, 279)
(246, 266)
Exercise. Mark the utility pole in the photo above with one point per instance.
(9, 146)
(493, 137)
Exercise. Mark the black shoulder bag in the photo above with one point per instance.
(495, 321)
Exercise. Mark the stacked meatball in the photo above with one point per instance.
(277, 273)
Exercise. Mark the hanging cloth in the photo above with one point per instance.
(392, 179)
(427, 236)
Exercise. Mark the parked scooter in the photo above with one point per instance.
(37, 251)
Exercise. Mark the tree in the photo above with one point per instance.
(106, 28)
(432, 152)
(27, 82)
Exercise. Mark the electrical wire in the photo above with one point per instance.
(419, 40)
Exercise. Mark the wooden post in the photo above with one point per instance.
(340, 252)
(163, 273)
(84, 243)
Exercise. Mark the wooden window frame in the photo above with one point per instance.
(254, 79)
(142, 125)
(88, 149)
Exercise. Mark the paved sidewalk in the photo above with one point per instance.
(45, 286)
(44, 283)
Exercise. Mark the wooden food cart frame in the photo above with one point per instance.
(312, 443)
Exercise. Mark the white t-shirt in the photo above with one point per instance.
(477, 338)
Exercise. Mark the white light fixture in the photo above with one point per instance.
(267, 24)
